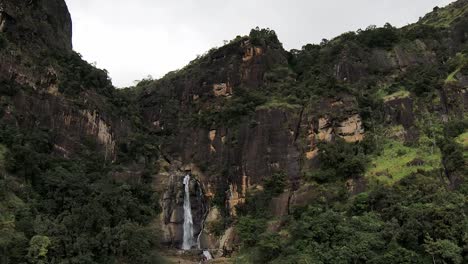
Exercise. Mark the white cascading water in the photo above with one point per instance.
(188, 220)
(207, 255)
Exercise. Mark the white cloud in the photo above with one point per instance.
(132, 39)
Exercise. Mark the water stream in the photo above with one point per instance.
(188, 241)
(188, 220)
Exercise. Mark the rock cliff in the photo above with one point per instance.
(238, 116)
(234, 156)
(35, 74)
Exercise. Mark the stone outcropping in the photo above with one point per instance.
(44, 24)
(226, 158)
(38, 27)
(172, 202)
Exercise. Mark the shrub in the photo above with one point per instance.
(384, 37)
(250, 229)
(423, 79)
(340, 160)
(264, 36)
(455, 127)
(275, 185)
(77, 76)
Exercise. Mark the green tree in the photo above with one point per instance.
(38, 249)
(443, 251)
(339, 160)
(250, 229)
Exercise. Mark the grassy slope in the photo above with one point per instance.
(393, 162)
(444, 17)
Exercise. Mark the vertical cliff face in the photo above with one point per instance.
(255, 148)
(173, 210)
(239, 115)
(231, 118)
(34, 87)
(40, 23)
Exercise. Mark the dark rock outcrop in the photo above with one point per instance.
(227, 158)
(40, 31)
(172, 217)
(43, 24)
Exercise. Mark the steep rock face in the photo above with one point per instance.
(237, 65)
(237, 158)
(242, 158)
(356, 64)
(170, 184)
(327, 121)
(222, 73)
(231, 160)
(71, 125)
(30, 86)
(37, 23)
(225, 160)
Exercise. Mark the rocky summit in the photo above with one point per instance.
(353, 150)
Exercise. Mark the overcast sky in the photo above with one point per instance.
(134, 39)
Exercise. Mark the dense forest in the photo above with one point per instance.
(84, 166)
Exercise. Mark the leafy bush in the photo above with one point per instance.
(420, 31)
(339, 160)
(423, 79)
(217, 227)
(452, 159)
(263, 37)
(414, 221)
(374, 37)
(241, 105)
(275, 185)
(454, 128)
(77, 76)
(250, 229)
(444, 250)
(72, 210)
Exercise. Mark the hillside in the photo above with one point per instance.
(350, 151)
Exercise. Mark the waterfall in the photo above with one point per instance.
(188, 220)
(207, 255)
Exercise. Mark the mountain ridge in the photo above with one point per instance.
(350, 151)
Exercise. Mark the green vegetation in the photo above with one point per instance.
(234, 110)
(78, 76)
(397, 95)
(423, 79)
(258, 202)
(414, 221)
(339, 160)
(249, 229)
(384, 37)
(264, 36)
(275, 103)
(444, 17)
(69, 210)
(386, 199)
(406, 215)
(463, 140)
(457, 64)
(397, 161)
